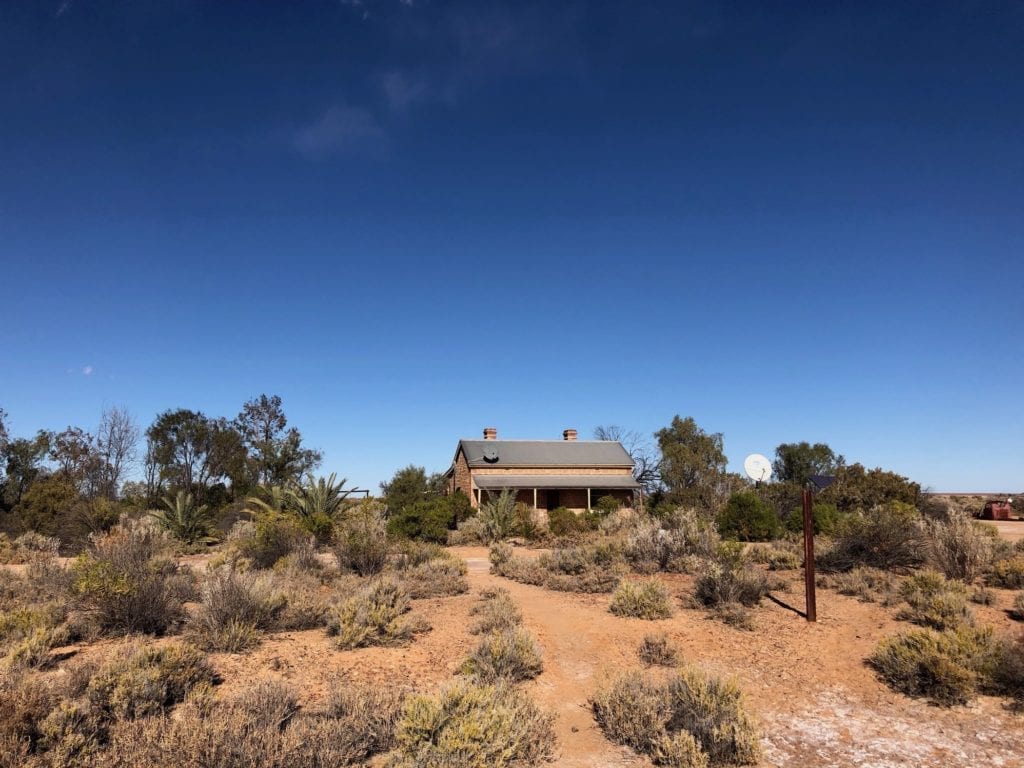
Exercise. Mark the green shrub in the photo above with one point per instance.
(826, 519)
(361, 543)
(376, 616)
(934, 602)
(268, 538)
(1007, 573)
(606, 505)
(424, 520)
(648, 714)
(889, 536)
(947, 668)
(473, 726)
(747, 518)
(658, 651)
(641, 599)
(146, 680)
(565, 522)
(127, 582)
(495, 611)
(509, 655)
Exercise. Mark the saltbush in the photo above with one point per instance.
(441, 576)
(473, 726)
(946, 668)
(1017, 609)
(889, 536)
(510, 655)
(495, 611)
(658, 651)
(934, 602)
(375, 616)
(649, 714)
(868, 585)
(233, 606)
(958, 547)
(145, 680)
(1007, 573)
(729, 578)
(648, 599)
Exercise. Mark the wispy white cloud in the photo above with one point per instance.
(341, 129)
(87, 370)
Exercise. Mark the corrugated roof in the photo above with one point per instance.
(489, 482)
(546, 453)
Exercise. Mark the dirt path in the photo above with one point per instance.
(819, 704)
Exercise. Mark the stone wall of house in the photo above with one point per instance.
(461, 479)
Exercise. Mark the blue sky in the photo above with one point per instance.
(412, 220)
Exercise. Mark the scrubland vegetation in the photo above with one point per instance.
(216, 555)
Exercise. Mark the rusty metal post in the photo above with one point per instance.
(812, 608)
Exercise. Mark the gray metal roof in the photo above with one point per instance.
(546, 453)
(489, 482)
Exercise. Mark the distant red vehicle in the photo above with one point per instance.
(996, 510)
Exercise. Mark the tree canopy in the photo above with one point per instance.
(798, 462)
(692, 464)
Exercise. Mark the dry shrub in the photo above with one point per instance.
(305, 604)
(1008, 671)
(361, 543)
(957, 547)
(375, 616)
(648, 714)
(671, 544)
(144, 680)
(511, 655)
(735, 615)
(24, 704)
(525, 570)
(593, 568)
(729, 578)
(268, 538)
(233, 606)
(28, 633)
(469, 531)
(946, 668)
(776, 558)
(647, 599)
(889, 536)
(261, 727)
(934, 602)
(1007, 573)
(982, 596)
(442, 576)
(658, 651)
(868, 585)
(473, 726)
(496, 611)
(31, 546)
(1017, 610)
(126, 581)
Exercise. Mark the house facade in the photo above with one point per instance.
(545, 474)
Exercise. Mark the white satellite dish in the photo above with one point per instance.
(757, 467)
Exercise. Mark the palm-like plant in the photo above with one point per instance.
(318, 497)
(274, 500)
(183, 519)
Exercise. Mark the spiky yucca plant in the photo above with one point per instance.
(183, 519)
(317, 502)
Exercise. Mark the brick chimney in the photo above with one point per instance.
(569, 434)
(490, 433)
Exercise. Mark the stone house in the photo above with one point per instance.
(545, 474)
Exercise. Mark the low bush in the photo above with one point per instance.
(268, 538)
(565, 522)
(470, 531)
(442, 576)
(509, 655)
(957, 547)
(946, 668)
(361, 543)
(868, 585)
(826, 519)
(658, 651)
(1007, 573)
(982, 596)
(495, 611)
(145, 680)
(729, 578)
(424, 520)
(777, 558)
(375, 616)
(525, 570)
(889, 536)
(747, 518)
(594, 568)
(1017, 609)
(473, 726)
(650, 714)
(127, 582)
(647, 599)
(233, 606)
(934, 602)
(260, 727)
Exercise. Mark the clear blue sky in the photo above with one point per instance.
(415, 219)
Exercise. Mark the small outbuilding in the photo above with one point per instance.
(996, 510)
